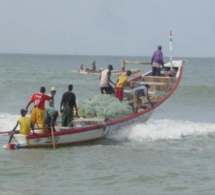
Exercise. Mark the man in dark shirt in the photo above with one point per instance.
(67, 106)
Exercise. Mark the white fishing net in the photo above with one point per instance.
(103, 106)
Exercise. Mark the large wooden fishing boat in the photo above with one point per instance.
(89, 129)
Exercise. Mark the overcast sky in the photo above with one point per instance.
(108, 27)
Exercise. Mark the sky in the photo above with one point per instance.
(108, 27)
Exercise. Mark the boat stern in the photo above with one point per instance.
(20, 142)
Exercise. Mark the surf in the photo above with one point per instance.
(157, 130)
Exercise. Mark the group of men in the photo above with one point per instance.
(45, 116)
(106, 88)
(105, 80)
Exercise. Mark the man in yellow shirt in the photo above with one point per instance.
(25, 125)
(121, 82)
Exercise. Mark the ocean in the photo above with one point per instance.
(172, 153)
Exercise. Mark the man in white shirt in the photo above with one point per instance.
(52, 93)
(104, 81)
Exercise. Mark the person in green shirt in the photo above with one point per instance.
(51, 115)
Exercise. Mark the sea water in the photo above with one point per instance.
(172, 153)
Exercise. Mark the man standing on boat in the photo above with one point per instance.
(67, 106)
(123, 65)
(105, 81)
(38, 112)
(81, 67)
(52, 94)
(157, 61)
(94, 65)
(121, 82)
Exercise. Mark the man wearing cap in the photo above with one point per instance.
(52, 94)
(105, 81)
(157, 61)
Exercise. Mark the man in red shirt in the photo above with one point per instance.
(38, 112)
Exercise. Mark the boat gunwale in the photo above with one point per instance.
(67, 131)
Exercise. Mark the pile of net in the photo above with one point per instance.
(103, 106)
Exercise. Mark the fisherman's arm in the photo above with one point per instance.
(149, 100)
(61, 104)
(17, 123)
(26, 109)
(12, 132)
(75, 106)
(109, 80)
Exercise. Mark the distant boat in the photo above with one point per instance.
(81, 70)
(89, 129)
(113, 72)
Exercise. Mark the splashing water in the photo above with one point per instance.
(155, 130)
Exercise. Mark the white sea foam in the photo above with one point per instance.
(7, 121)
(151, 131)
(162, 130)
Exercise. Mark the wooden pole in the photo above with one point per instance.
(170, 48)
(53, 138)
(2, 132)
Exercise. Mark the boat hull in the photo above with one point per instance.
(70, 137)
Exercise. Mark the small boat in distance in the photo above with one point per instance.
(113, 72)
(83, 70)
(87, 129)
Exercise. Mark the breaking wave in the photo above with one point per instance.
(155, 130)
